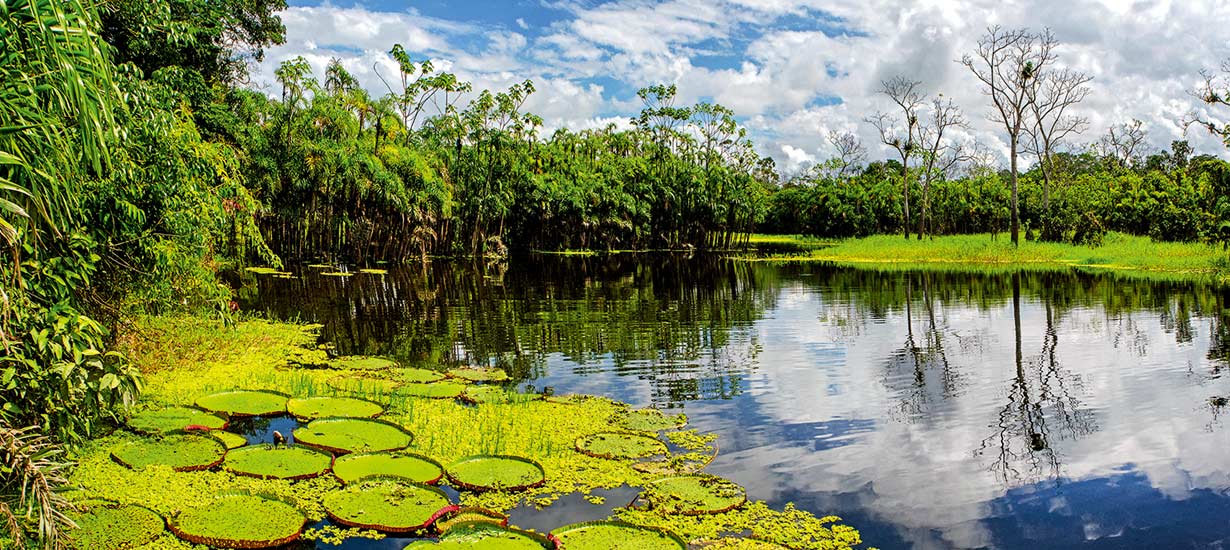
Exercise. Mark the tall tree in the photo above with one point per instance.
(902, 134)
(1058, 90)
(939, 151)
(1122, 142)
(850, 152)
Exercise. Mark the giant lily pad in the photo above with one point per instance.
(414, 467)
(115, 528)
(479, 375)
(240, 521)
(184, 453)
(311, 408)
(651, 420)
(363, 385)
(417, 376)
(496, 394)
(387, 504)
(362, 363)
(232, 441)
(619, 445)
(495, 473)
(735, 543)
(694, 495)
(470, 515)
(174, 419)
(485, 536)
(245, 403)
(614, 535)
(274, 462)
(438, 390)
(350, 435)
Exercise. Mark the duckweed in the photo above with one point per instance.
(270, 462)
(311, 408)
(386, 504)
(115, 528)
(348, 435)
(183, 453)
(240, 521)
(174, 419)
(611, 535)
(414, 467)
(245, 403)
(495, 473)
(619, 445)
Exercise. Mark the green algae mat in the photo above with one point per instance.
(437, 390)
(651, 420)
(362, 363)
(414, 467)
(479, 375)
(240, 521)
(620, 445)
(115, 528)
(311, 408)
(352, 435)
(175, 419)
(495, 473)
(614, 535)
(386, 504)
(485, 536)
(245, 403)
(277, 462)
(694, 495)
(183, 453)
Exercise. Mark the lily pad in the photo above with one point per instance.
(232, 441)
(620, 445)
(737, 543)
(387, 504)
(350, 435)
(240, 521)
(245, 403)
(417, 376)
(311, 408)
(267, 271)
(115, 528)
(479, 375)
(175, 419)
(362, 363)
(438, 390)
(338, 274)
(496, 394)
(486, 536)
(374, 271)
(651, 420)
(184, 453)
(471, 515)
(414, 467)
(277, 462)
(614, 535)
(495, 473)
(692, 495)
(363, 385)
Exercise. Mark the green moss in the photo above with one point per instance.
(651, 420)
(479, 375)
(362, 363)
(230, 440)
(349, 435)
(240, 521)
(174, 419)
(181, 452)
(483, 535)
(311, 408)
(245, 403)
(438, 390)
(620, 445)
(270, 462)
(386, 504)
(694, 495)
(414, 467)
(603, 535)
(115, 528)
(493, 472)
(417, 376)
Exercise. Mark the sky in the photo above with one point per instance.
(792, 70)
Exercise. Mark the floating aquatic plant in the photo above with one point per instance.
(738, 543)
(267, 271)
(438, 390)
(496, 394)
(230, 440)
(174, 419)
(414, 467)
(374, 271)
(183, 453)
(363, 384)
(362, 363)
(619, 445)
(240, 521)
(468, 515)
(311, 408)
(338, 274)
(416, 376)
(495, 473)
(479, 374)
(651, 420)
(614, 535)
(278, 462)
(245, 403)
(115, 527)
(694, 495)
(349, 435)
(486, 536)
(387, 504)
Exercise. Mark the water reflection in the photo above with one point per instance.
(932, 410)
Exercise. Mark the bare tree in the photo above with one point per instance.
(901, 134)
(1122, 142)
(1056, 92)
(850, 151)
(1215, 92)
(1007, 63)
(939, 151)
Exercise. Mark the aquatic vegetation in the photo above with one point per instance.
(694, 495)
(348, 435)
(495, 473)
(619, 445)
(651, 420)
(613, 535)
(277, 462)
(738, 544)
(478, 394)
(240, 521)
(479, 374)
(417, 376)
(362, 363)
(245, 403)
(374, 271)
(267, 271)
(339, 274)
(115, 527)
(414, 467)
(311, 408)
(183, 453)
(386, 504)
(230, 440)
(470, 514)
(363, 384)
(483, 535)
(436, 390)
(174, 419)
(789, 527)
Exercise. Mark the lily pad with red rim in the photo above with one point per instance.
(278, 462)
(115, 527)
(486, 536)
(613, 445)
(352, 435)
(311, 408)
(469, 515)
(244, 403)
(175, 419)
(474, 374)
(230, 440)
(435, 390)
(416, 376)
(495, 473)
(240, 521)
(650, 420)
(615, 535)
(414, 467)
(183, 453)
(362, 363)
(692, 495)
(387, 504)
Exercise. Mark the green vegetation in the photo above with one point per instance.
(437, 390)
(619, 445)
(651, 420)
(479, 375)
(693, 495)
(245, 403)
(184, 453)
(115, 528)
(362, 363)
(349, 435)
(414, 467)
(485, 536)
(417, 376)
(386, 504)
(174, 419)
(311, 408)
(270, 462)
(605, 535)
(230, 440)
(240, 521)
(495, 473)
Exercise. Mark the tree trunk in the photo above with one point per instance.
(1016, 213)
(922, 210)
(905, 197)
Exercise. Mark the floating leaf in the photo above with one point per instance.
(277, 462)
(414, 467)
(620, 445)
(386, 504)
(174, 419)
(483, 535)
(496, 394)
(438, 390)
(362, 363)
(349, 435)
(183, 453)
(495, 473)
(614, 535)
(651, 420)
(479, 375)
(115, 527)
(311, 408)
(694, 495)
(245, 403)
(417, 376)
(230, 440)
(240, 522)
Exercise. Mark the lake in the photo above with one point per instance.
(929, 410)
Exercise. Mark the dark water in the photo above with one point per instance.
(931, 411)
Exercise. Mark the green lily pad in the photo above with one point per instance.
(614, 535)
(245, 403)
(471, 515)
(174, 419)
(266, 271)
(351, 435)
(232, 441)
(414, 467)
(277, 462)
(651, 420)
(311, 408)
(482, 535)
(692, 495)
(496, 394)
(479, 375)
(184, 453)
(417, 376)
(495, 473)
(363, 385)
(386, 504)
(735, 543)
(374, 271)
(240, 521)
(115, 528)
(338, 274)
(620, 445)
(362, 363)
(438, 390)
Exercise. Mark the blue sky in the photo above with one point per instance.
(793, 70)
